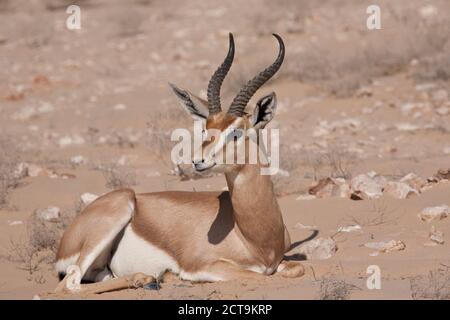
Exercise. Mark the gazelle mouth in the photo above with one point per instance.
(199, 167)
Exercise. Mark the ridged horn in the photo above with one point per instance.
(217, 78)
(243, 97)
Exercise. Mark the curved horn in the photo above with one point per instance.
(217, 78)
(243, 97)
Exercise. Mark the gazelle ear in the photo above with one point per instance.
(197, 107)
(264, 111)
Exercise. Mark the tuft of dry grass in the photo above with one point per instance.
(9, 177)
(37, 247)
(378, 214)
(117, 177)
(434, 286)
(332, 288)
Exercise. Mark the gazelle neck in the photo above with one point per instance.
(256, 210)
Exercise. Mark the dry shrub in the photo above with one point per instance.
(9, 178)
(332, 288)
(435, 286)
(117, 177)
(379, 213)
(37, 247)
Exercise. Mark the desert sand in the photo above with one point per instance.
(89, 111)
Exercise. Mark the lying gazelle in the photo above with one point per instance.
(201, 236)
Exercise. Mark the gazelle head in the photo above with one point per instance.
(222, 128)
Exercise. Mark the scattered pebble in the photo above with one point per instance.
(15, 222)
(349, 228)
(319, 249)
(78, 160)
(436, 236)
(434, 213)
(386, 247)
(87, 198)
(51, 214)
(364, 186)
(399, 190)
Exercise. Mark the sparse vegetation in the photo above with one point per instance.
(37, 247)
(117, 176)
(379, 213)
(332, 288)
(434, 286)
(9, 175)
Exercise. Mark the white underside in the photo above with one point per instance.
(135, 254)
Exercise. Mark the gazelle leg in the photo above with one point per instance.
(133, 281)
(291, 269)
(224, 271)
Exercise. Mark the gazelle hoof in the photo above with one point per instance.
(73, 280)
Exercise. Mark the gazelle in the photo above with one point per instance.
(201, 236)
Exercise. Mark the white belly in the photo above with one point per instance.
(134, 254)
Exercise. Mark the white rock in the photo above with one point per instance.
(414, 181)
(120, 107)
(436, 236)
(428, 11)
(300, 225)
(15, 222)
(365, 187)
(49, 214)
(35, 170)
(443, 111)
(446, 150)
(78, 160)
(406, 127)
(319, 249)
(434, 213)
(349, 228)
(87, 198)
(68, 141)
(306, 197)
(393, 245)
(21, 170)
(399, 190)
(440, 95)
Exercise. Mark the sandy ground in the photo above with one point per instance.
(102, 93)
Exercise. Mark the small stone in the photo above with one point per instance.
(21, 170)
(446, 150)
(434, 213)
(414, 181)
(15, 223)
(78, 160)
(386, 247)
(68, 141)
(51, 214)
(88, 198)
(120, 107)
(440, 95)
(443, 174)
(365, 187)
(35, 170)
(399, 190)
(406, 127)
(349, 228)
(436, 236)
(306, 197)
(319, 249)
(443, 111)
